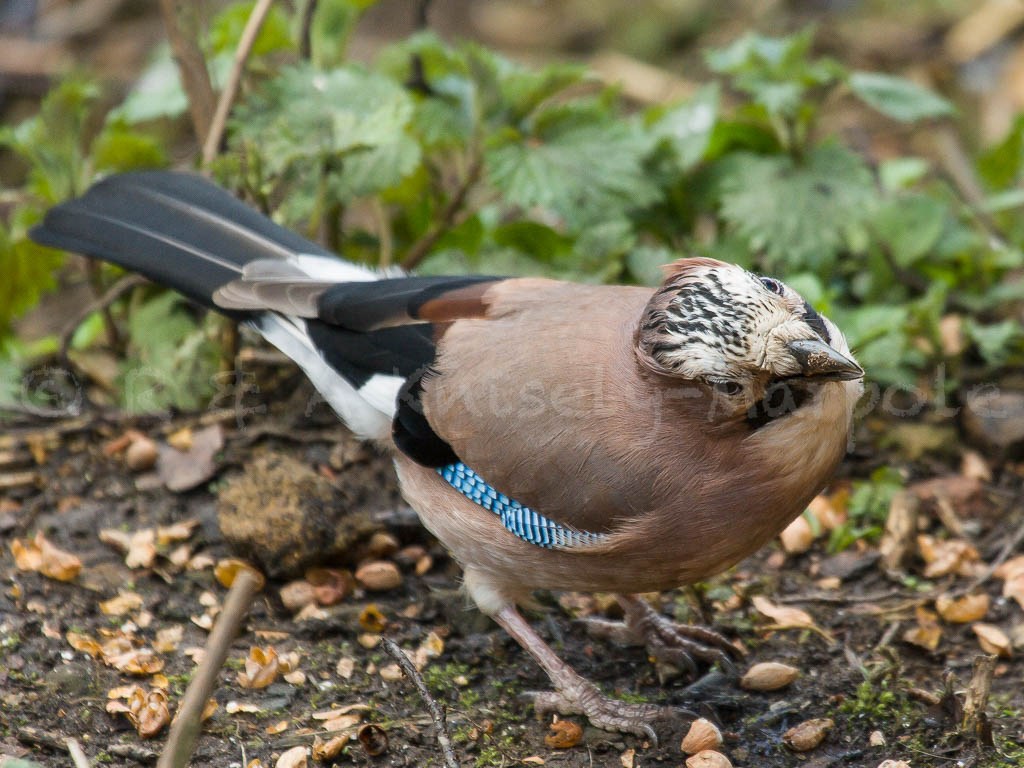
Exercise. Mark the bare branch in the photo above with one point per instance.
(418, 250)
(227, 96)
(195, 78)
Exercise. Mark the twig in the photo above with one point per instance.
(306, 29)
(185, 729)
(78, 755)
(978, 691)
(133, 752)
(436, 711)
(418, 250)
(227, 96)
(1007, 550)
(827, 598)
(108, 297)
(194, 76)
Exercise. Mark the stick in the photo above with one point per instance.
(436, 711)
(112, 294)
(194, 76)
(185, 728)
(977, 693)
(421, 247)
(227, 96)
(306, 30)
(77, 753)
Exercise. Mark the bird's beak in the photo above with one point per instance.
(818, 359)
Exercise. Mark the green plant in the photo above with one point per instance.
(448, 157)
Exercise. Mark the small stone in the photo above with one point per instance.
(808, 734)
(379, 575)
(708, 759)
(894, 764)
(141, 454)
(995, 417)
(798, 536)
(876, 739)
(769, 676)
(703, 735)
(381, 545)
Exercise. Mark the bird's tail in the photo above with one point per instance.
(182, 231)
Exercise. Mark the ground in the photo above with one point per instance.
(858, 671)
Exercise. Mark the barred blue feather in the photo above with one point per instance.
(524, 522)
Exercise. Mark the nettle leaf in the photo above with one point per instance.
(897, 97)
(28, 269)
(798, 214)
(901, 172)
(226, 30)
(305, 113)
(157, 93)
(909, 225)
(584, 171)
(372, 170)
(687, 127)
(998, 343)
(119, 148)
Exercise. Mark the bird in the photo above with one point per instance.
(551, 435)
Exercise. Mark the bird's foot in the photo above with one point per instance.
(581, 697)
(665, 640)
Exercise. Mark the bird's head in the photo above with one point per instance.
(752, 344)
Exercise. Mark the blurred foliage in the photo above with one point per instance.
(502, 168)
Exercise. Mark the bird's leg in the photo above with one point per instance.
(574, 694)
(678, 644)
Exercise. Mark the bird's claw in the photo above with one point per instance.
(665, 640)
(583, 698)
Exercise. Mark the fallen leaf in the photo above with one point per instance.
(275, 728)
(261, 668)
(167, 639)
(40, 555)
(293, 758)
(328, 750)
(346, 666)
(535, 760)
(964, 609)
(296, 677)
(992, 639)
(927, 633)
(139, 548)
(342, 722)
(209, 709)
(431, 647)
(139, 661)
(947, 556)
(233, 707)
(564, 735)
(1009, 567)
(627, 758)
(184, 470)
(168, 534)
(125, 602)
(786, 617)
(83, 643)
(1014, 587)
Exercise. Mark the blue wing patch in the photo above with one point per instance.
(524, 522)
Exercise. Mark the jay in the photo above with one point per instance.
(551, 435)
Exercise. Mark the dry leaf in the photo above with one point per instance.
(160, 681)
(40, 555)
(147, 710)
(139, 548)
(564, 734)
(342, 722)
(709, 758)
(346, 666)
(329, 585)
(293, 758)
(927, 633)
(233, 707)
(962, 610)
(1014, 587)
(946, 556)
(1009, 567)
(296, 677)
(535, 760)
(139, 661)
(167, 639)
(261, 668)
(209, 709)
(226, 570)
(992, 639)
(181, 440)
(328, 750)
(627, 759)
(83, 643)
(276, 728)
(391, 673)
(122, 604)
(431, 647)
(703, 734)
(786, 617)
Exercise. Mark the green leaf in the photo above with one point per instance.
(998, 343)
(909, 225)
(306, 114)
(899, 173)
(796, 213)
(687, 127)
(227, 26)
(583, 170)
(28, 269)
(157, 93)
(532, 238)
(897, 97)
(119, 148)
(1000, 165)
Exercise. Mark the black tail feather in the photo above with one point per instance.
(175, 228)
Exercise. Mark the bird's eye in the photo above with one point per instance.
(725, 386)
(772, 285)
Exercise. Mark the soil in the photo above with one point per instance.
(864, 679)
